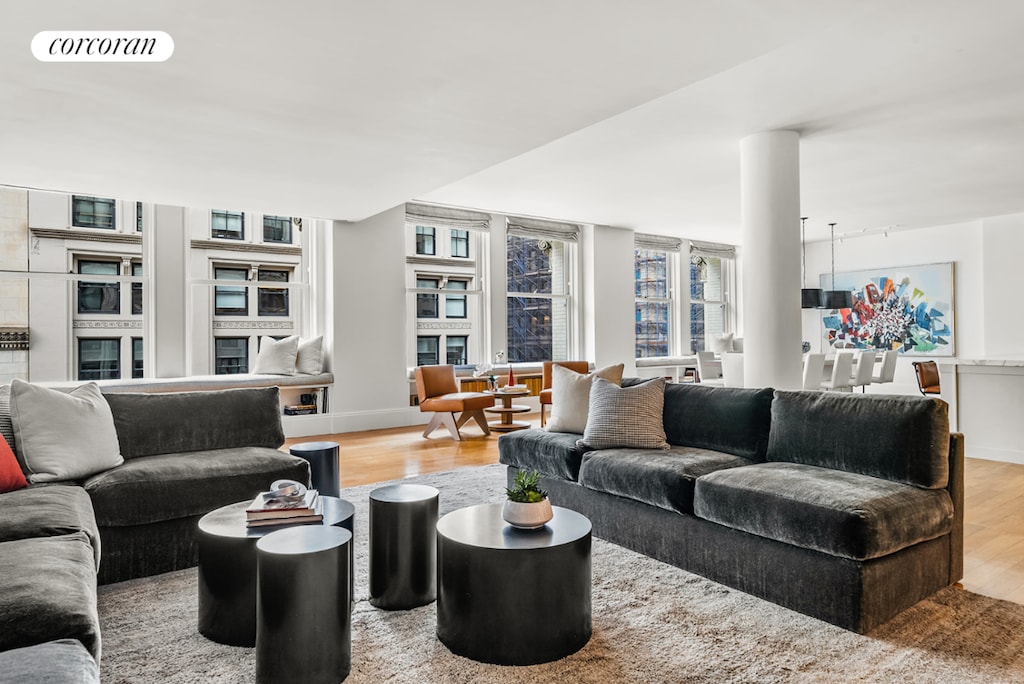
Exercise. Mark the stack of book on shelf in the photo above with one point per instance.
(267, 510)
(299, 409)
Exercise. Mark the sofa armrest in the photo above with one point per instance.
(956, 493)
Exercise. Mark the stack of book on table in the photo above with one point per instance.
(267, 510)
(300, 409)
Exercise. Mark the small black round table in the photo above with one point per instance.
(403, 546)
(227, 569)
(509, 596)
(324, 471)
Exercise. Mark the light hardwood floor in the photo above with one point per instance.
(993, 510)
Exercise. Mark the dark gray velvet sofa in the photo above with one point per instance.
(185, 454)
(848, 508)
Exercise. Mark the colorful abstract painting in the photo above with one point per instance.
(908, 308)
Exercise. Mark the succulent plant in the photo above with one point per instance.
(526, 489)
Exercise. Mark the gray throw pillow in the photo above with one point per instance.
(63, 435)
(625, 417)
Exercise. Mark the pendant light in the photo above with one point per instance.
(810, 297)
(836, 299)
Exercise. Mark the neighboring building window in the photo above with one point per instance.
(98, 297)
(231, 355)
(272, 301)
(653, 303)
(426, 350)
(137, 357)
(99, 359)
(455, 305)
(277, 229)
(231, 300)
(707, 301)
(138, 216)
(229, 225)
(456, 348)
(460, 243)
(538, 323)
(136, 289)
(426, 304)
(425, 240)
(92, 212)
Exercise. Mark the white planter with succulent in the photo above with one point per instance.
(527, 506)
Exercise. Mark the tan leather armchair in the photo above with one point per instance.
(545, 392)
(438, 393)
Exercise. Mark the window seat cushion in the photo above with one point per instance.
(206, 382)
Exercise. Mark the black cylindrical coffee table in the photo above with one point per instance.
(227, 569)
(304, 606)
(324, 471)
(403, 546)
(510, 596)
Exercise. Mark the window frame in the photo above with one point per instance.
(227, 216)
(244, 345)
(429, 283)
(563, 298)
(449, 299)
(463, 359)
(77, 214)
(267, 292)
(421, 244)
(436, 352)
(138, 359)
(97, 284)
(459, 237)
(231, 289)
(98, 374)
(286, 229)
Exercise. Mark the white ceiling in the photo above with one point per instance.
(911, 113)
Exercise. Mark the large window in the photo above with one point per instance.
(92, 212)
(425, 243)
(455, 305)
(231, 355)
(426, 303)
(273, 301)
(653, 302)
(707, 300)
(229, 225)
(99, 359)
(538, 321)
(99, 297)
(231, 300)
(456, 349)
(460, 243)
(277, 229)
(426, 350)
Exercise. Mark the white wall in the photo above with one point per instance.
(370, 332)
(607, 300)
(1002, 246)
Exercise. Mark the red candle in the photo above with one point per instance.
(511, 376)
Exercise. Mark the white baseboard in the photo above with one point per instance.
(355, 421)
(304, 426)
(992, 454)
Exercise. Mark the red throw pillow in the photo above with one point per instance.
(11, 477)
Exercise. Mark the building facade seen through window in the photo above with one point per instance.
(707, 300)
(227, 225)
(654, 304)
(93, 212)
(537, 300)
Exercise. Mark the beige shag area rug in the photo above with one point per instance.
(652, 623)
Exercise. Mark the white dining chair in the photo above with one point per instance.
(842, 367)
(709, 368)
(814, 371)
(888, 370)
(861, 376)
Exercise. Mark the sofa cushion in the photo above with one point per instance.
(570, 396)
(48, 591)
(657, 477)
(150, 489)
(48, 511)
(174, 422)
(625, 417)
(63, 435)
(733, 420)
(64, 661)
(899, 438)
(552, 454)
(833, 511)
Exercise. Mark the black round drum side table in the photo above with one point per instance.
(510, 596)
(227, 569)
(403, 546)
(324, 471)
(304, 606)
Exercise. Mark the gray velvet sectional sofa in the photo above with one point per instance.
(185, 454)
(848, 508)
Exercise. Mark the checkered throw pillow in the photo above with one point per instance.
(625, 417)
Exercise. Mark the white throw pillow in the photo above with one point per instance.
(277, 357)
(310, 359)
(63, 435)
(570, 396)
(722, 344)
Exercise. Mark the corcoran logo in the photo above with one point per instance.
(102, 46)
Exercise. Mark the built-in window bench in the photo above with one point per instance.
(674, 368)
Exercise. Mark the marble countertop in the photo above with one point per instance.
(1005, 362)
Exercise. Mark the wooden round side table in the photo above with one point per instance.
(507, 410)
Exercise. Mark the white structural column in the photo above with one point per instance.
(770, 190)
(166, 255)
